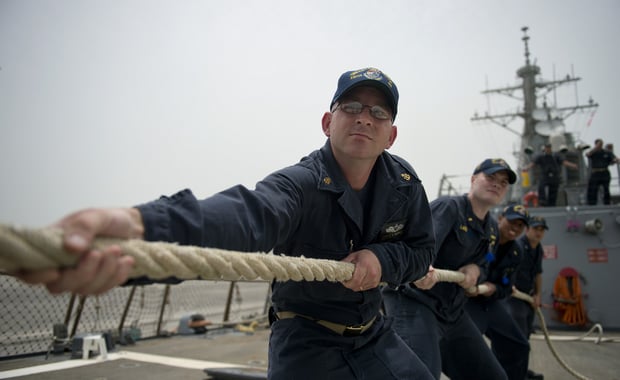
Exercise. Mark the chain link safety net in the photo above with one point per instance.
(31, 319)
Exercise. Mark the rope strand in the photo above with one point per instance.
(38, 249)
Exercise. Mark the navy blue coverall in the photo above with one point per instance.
(599, 175)
(531, 265)
(492, 316)
(433, 322)
(309, 209)
(550, 174)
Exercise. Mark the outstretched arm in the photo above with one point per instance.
(569, 164)
(528, 166)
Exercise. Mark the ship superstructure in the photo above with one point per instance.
(543, 123)
(581, 238)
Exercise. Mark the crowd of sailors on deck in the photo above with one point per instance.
(550, 164)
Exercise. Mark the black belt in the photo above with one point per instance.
(598, 170)
(339, 329)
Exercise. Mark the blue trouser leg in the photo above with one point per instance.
(553, 193)
(594, 183)
(508, 343)
(542, 193)
(466, 355)
(417, 326)
(523, 314)
(456, 348)
(302, 349)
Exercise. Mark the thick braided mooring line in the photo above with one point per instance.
(552, 348)
(37, 249)
(444, 275)
(455, 276)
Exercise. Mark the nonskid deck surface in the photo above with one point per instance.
(186, 357)
(174, 357)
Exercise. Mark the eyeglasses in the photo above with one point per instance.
(503, 183)
(355, 108)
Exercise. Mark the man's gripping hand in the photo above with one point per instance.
(96, 271)
(367, 273)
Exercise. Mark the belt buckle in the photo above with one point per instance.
(353, 330)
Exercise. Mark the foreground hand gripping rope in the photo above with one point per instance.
(38, 249)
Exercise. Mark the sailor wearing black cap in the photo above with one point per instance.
(487, 307)
(550, 166)
(430, 315)
(599, 159)
(529, 279)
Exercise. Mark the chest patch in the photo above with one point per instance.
(392, 230)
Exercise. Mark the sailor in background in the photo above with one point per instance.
(487, 307)
(193, 324)
(529, 279)
(430, 315)
(550, 165)
(600, 159)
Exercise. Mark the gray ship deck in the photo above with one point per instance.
(185, 357)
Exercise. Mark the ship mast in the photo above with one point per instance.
(542, 124)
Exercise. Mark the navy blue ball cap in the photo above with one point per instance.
(538, 221)
(494, 165)
(368, 76)
(517, 212)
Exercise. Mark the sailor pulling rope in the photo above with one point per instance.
(454, 276)
(37, 249)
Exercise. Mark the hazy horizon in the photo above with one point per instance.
(115, 103)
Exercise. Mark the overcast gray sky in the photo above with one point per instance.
(113, 103)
